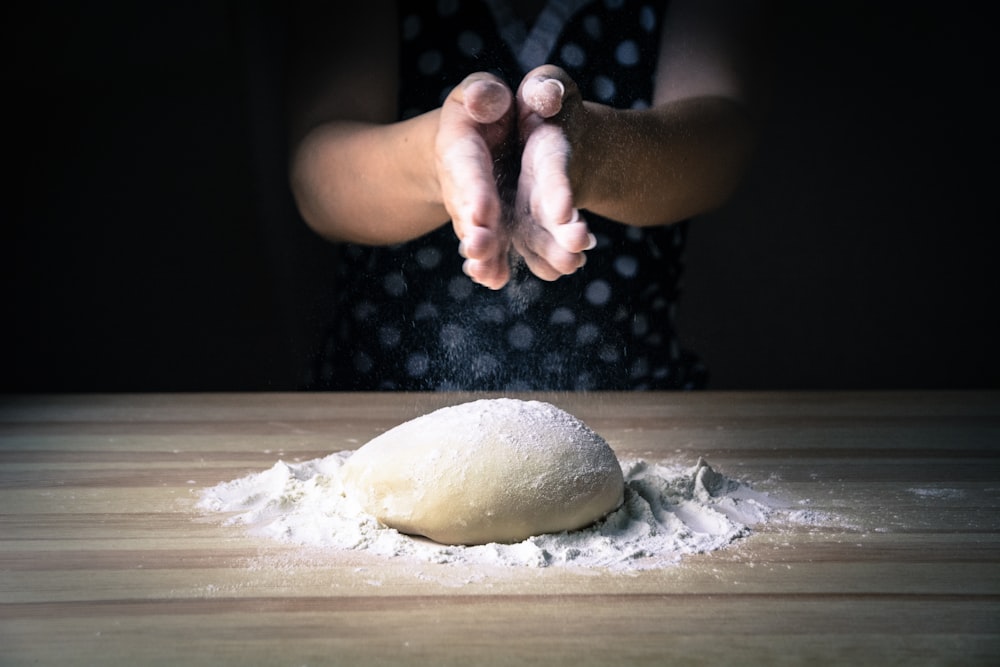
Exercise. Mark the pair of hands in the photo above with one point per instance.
(483, 124)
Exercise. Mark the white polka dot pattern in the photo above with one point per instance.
(460, 288)
(604, 88)
(562, 315)
(627, 266)
(573, 55)
(520, 336)
(417, 364)
(394, 284)
(428, 257)
(598, 292)
(627, 53)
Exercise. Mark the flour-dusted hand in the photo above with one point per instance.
(549, 232)
(474, 130)
(424, 171)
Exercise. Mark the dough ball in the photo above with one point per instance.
(493, 470)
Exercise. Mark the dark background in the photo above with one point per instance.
(149, 242)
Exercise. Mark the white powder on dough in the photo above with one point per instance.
(669, 511)
(491, 470)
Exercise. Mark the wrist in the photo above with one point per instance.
(596, 168)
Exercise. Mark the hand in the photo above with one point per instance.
(548, 230)
(475, 125)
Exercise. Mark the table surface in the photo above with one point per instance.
(104, 558)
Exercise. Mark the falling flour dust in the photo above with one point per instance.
(669, 511)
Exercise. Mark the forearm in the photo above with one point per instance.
(661, 165)
(369, 183)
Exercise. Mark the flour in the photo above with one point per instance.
(669, 511)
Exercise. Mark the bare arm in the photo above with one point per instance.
(342, 100)
(360, 176)
(681, 157)
(709, 96)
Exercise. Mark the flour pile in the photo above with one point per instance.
(669, 511)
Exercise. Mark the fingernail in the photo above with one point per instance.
(558, 84)
(591, 242)
(576, 216)
(461, 249)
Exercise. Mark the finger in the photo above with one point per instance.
(492, 273)
(574, 235)
(479, 243)
(543, 95)
(543, 253)
(542, 265)
(536, 263)
(482, 103)
(475, 120)
(551, 197)
(465, 171)
(485, 250)
(486, 256)
(485, 99)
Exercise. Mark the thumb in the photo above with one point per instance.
(543, 96)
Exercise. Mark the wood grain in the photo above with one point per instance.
(105, 560)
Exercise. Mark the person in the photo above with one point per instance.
(567, 143)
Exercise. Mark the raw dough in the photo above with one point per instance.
(493, 470)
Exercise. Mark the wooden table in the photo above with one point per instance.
(105, 560)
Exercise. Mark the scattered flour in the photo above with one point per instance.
(669, 511)
(937, 493)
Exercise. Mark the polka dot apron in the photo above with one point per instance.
(407, 318)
